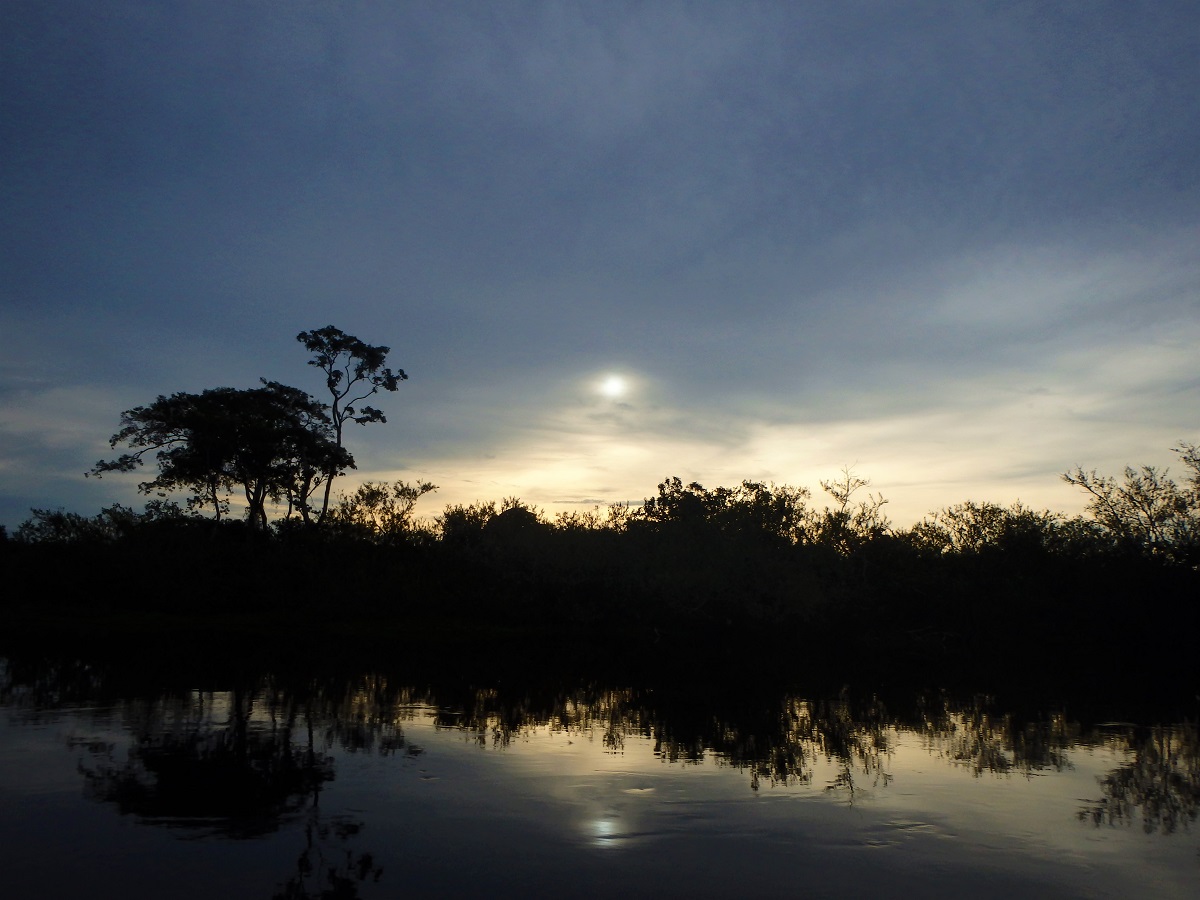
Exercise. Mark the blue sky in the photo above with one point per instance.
(953, 245)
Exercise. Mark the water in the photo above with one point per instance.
(363, 786)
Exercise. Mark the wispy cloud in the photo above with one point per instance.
(952, 243)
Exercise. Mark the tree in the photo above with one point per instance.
(978, 527)
(752, 509)
(1148, 509)
(113, 523)
(381, 511)
(847, 527)
(353, 372)
(275, 442)
(307, 453)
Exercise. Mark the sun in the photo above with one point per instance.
(613, 386)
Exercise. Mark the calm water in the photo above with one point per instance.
(366, 787)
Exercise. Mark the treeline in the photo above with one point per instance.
(755, 562)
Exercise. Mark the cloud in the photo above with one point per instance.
(934, 239)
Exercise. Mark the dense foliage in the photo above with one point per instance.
(753, 562)
(275, 442)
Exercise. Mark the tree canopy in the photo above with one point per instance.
(275, 442)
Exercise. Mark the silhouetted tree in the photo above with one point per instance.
(723, 555)
(847, 526)
(380, 511)
(274, 442)
(112, 523)
(974, 527)
(353, 371)
(1147, 509)
(461, 527)
(751, 508)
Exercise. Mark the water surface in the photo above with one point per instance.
(364, 786)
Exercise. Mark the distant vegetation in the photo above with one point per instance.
(751, 563)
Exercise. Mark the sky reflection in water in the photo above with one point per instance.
(381, 791)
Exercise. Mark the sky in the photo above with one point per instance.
(953, 246)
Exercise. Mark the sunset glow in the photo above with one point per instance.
(612, 244)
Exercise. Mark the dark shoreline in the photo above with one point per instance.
(712, 596)
(716, 663)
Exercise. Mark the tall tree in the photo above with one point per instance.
(354, 371)
(275, 442)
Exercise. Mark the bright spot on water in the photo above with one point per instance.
(613, 386)
(604, 832)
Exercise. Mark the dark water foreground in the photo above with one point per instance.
(197, 769)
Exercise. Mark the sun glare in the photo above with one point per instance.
(613, 386)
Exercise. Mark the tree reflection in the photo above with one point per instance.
(783, 748)
(207, 763)
(857, 742)
(327, 869)
(988, 741)
(1162, 781)
(776, 747)
(243, 763)
(246, 761)
(364, 715)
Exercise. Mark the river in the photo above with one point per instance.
(362, 785)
